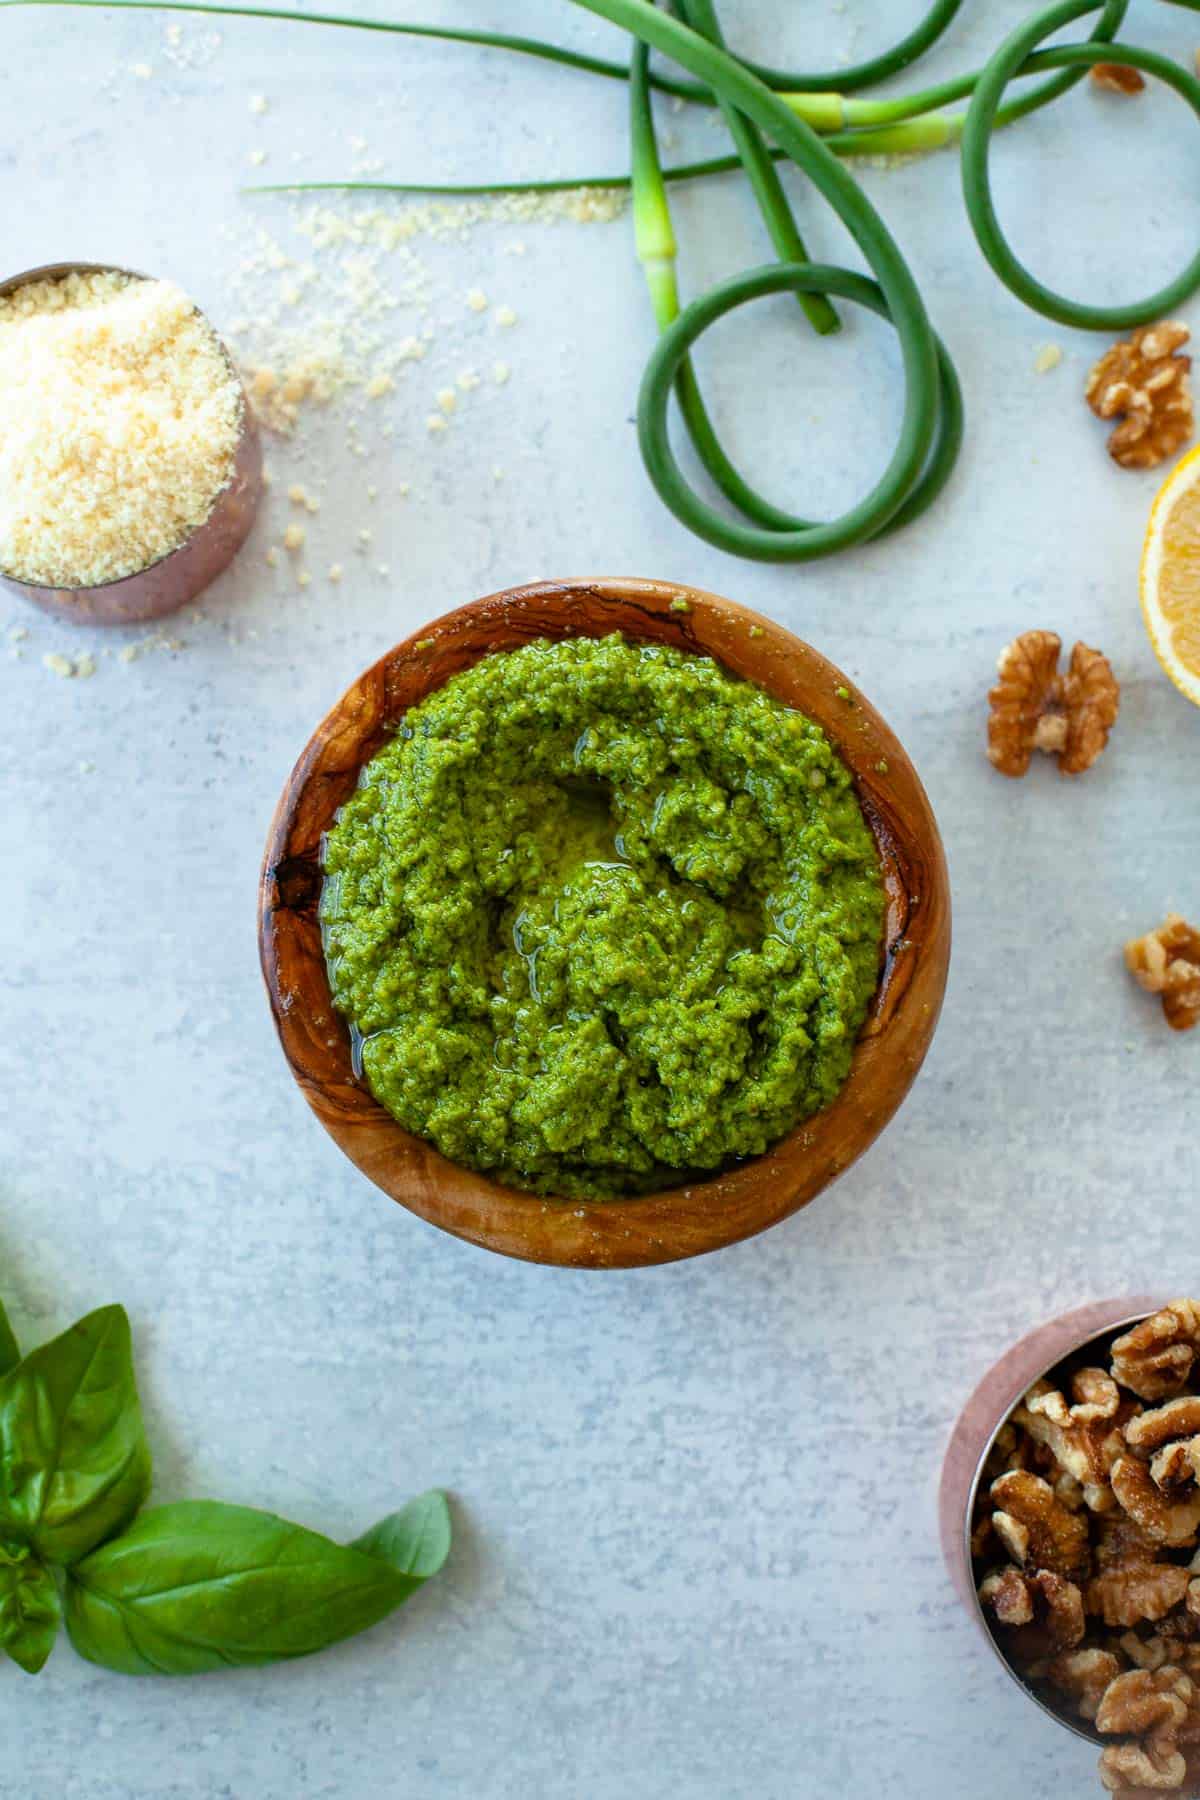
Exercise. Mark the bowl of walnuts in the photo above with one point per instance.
(1070, 1516)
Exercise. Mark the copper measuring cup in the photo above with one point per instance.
(163, 586)
(1032, 1357)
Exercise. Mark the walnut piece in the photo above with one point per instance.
(1137, 1769)
(1085, 1675)
(1145, 1653)
(1118, 78)
(1172, 1521)
(1150, 1706)
(1142, 381)
(1043, 1613)
(1095, 1395)
(1034, 707)
(1120, 1544)
(1155, 1359)
(1082, 1438)
(1175, 1419)
(1009, 1595)
(1142, 1592)
(1167, 962)
(1036, 1529)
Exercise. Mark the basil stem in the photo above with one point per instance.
(74, 1464)
(200, 1585)
(10, 1354)
(30, 1611)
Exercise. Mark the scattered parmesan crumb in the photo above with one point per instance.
(500, 373)
(364, 536)
(258, 103)
(257, 158)
(505, 315)
(477, 300)
(58, 665)
(497, 472)
(379, 385)
(303, 578)
(335, 572)
(447, 399)
(468, 380)
(300, 496)
(129, 653)
(293, 537)
(1047, 358)
(272, 556)
(18, 633)
(382, 569)
(403, 489)
(372, 491)
(143, 71)
(85, 665)
(435, 422)
(87, 768)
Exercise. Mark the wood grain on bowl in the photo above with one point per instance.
(678, 1222)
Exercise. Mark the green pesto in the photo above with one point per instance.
(602, 917)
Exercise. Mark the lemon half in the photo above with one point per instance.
(1170, 575)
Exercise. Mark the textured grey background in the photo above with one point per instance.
(697, 1545)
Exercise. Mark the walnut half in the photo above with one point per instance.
(1150, 1707)
(1144, 382)
(1034, 707)
(1167, 962)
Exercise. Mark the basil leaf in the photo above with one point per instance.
(74, 1466)
(414, 1541)
(201, 1585)
(10, 1355)
(30, 1612)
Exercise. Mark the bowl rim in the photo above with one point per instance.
(676, 1222)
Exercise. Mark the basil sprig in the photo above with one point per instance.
(10, 1355)
(181, 1589)
(29, 1607)
(202, 1586)
(74, 1462)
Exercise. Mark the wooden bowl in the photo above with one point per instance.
(678, 1222)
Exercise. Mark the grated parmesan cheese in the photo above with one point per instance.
(119, 425)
